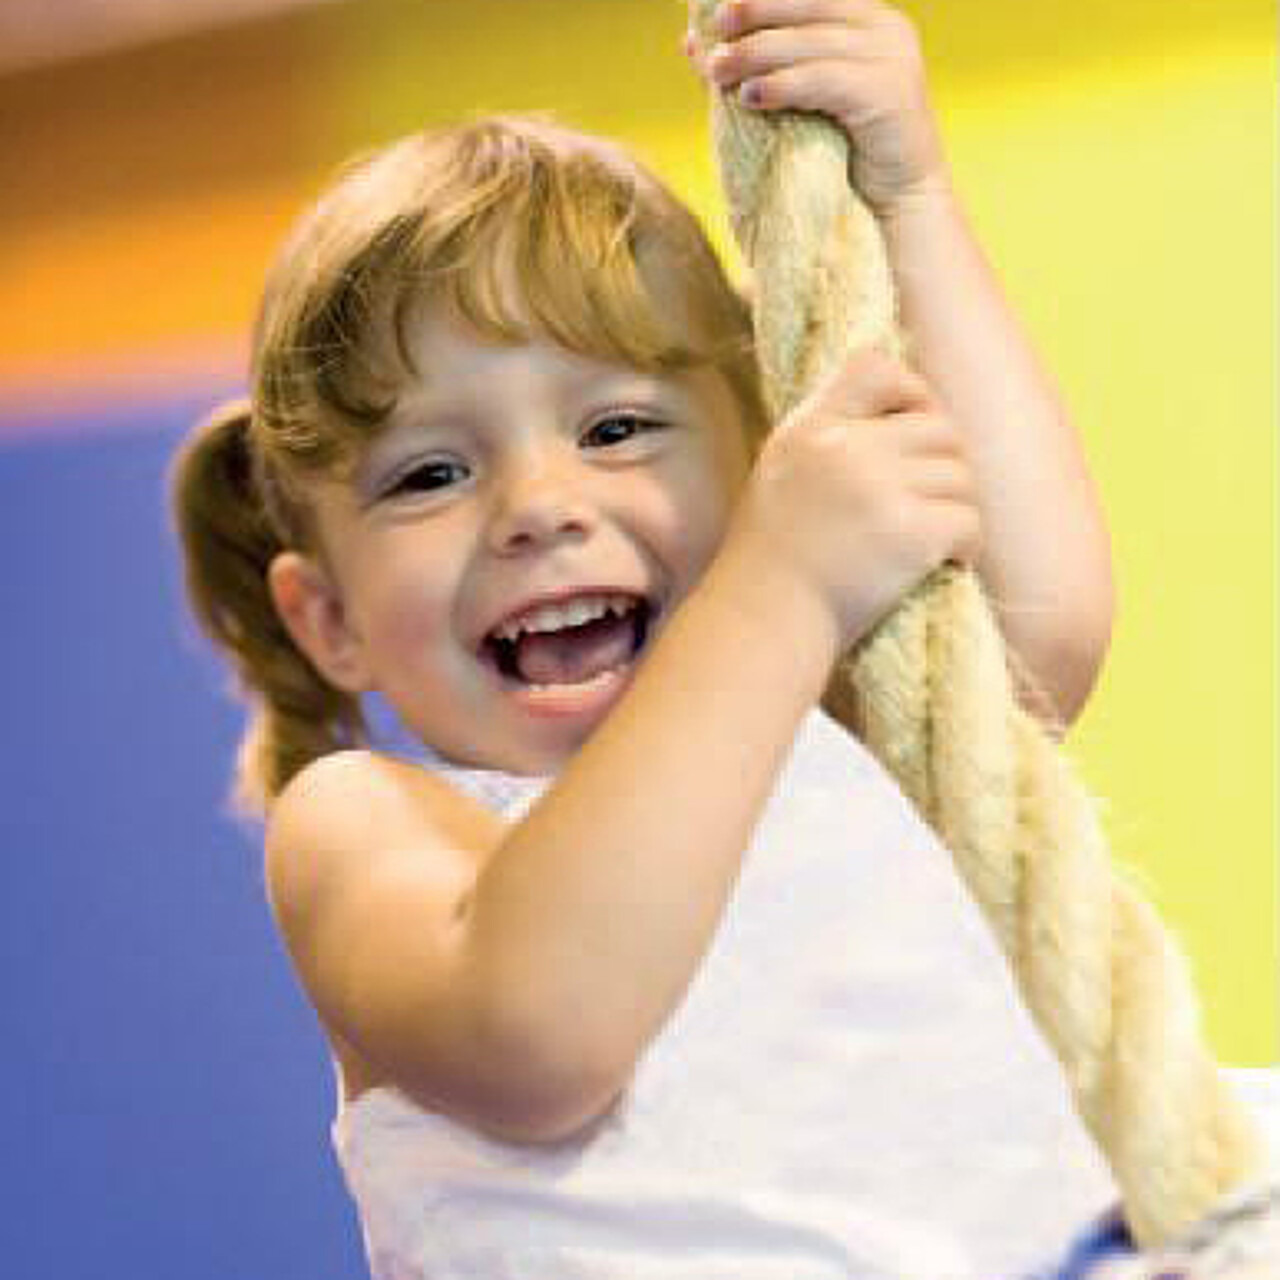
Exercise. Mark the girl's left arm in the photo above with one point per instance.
(1046, 561)
(1046, 557)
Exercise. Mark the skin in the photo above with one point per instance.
(517, 491)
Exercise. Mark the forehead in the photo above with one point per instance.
(449, 361)
(457, 377)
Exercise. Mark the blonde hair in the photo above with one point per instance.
(525, 229)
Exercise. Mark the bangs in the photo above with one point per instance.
(525, 231)
(571, 254)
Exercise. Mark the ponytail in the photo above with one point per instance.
(229, 538)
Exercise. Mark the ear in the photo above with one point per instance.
(311, 608)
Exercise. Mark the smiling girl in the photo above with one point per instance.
(638, 964)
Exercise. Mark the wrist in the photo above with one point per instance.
(930, 197)
(776, 601)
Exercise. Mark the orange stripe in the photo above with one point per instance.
(101, 286)
(151, 187)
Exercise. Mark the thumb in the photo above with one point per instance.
(870, 383)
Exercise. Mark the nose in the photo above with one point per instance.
(538, 501)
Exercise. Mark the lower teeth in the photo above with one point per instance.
(598, 678)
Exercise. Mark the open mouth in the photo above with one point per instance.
(572, 655)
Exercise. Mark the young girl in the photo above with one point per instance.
(639, 966)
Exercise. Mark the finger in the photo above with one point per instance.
(736, 17)
(766, 52)
(949, 530)
(832, 89)
(870, 383)
(929, 433)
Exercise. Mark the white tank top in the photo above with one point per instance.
(851, 1089)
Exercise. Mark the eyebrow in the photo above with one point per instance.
(434, 414)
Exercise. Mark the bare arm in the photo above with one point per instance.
(624, 866)
(1046, 561)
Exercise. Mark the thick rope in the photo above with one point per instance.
(932, 691)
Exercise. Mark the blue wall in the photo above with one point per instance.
(166, 1089)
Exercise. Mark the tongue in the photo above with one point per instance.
(575, 654)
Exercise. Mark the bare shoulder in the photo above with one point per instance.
(354, 829)
(356, 804)
(371, 863)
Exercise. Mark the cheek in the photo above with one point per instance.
(409, 613)
(700, 505)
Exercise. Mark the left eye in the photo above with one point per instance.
(620, 427)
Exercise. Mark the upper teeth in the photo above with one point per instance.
(573, 613)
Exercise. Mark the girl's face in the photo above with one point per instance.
(508, 474)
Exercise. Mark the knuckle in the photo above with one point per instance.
(870, 372)
(752, 54)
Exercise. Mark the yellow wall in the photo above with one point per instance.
(1132, 210)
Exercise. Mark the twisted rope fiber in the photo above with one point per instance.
(931, 685)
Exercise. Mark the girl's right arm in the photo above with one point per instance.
(520, 997)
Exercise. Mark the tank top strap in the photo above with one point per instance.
(509, 794)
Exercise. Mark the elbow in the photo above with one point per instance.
(1081, 668)
(544, 1080)
(512, 1088)
(574, 1115)
(1059, 683)
(549, 1101)
(568, 1087)
(1086, 649)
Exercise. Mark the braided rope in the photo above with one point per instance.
(931, 683)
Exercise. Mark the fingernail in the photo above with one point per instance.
(750, 93)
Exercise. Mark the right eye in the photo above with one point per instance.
(423, 478)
